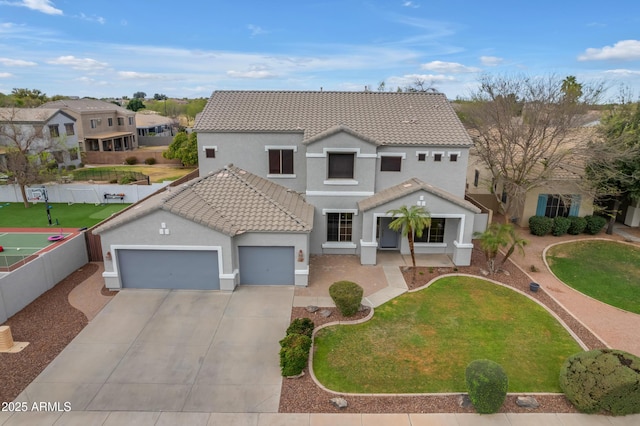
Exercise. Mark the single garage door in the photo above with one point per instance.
(267, 265)
(170, 269)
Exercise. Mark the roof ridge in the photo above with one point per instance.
(233, 170)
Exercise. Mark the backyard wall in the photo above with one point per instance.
(84, 193)
(25, 284)
(99, 157)
(164, 141)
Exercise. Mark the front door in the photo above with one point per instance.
(387, 238)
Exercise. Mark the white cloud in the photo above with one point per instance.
(256, 74)
(44, 6)
(98, 19)
(491, 61)
(622, 50)
(85, 64)
(411, 4)
(409, 79)
(256, 30)
(448, 67)
(16, 63)
(5, 75)
(624, 72)
(134, 75)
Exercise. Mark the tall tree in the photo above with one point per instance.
(139, 95)
(27, 149)
(135, 104)
(410, 221)
(571, 89)
(184, 148)
(519, 126)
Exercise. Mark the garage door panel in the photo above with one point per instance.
(267, 265)
(169, 269)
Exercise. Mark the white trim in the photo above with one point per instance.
(339, 193)
(430, 245)
(434, 153)
(435, 216)
(205, 147)
(339, 245)
(426, 155)
(326, 151)
(463, 245)
(281, 147)
(354, 211)
(301, 271)
(368, 244)
(458, 153)
(392, 154)
(345, 182)
(230, 276)
(281, 176)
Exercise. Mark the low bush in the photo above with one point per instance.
(131, 160)
(594, 224)
(301, 326)
(150, 161)
(71, 167)
(124, 180)
(560, 225)
(347, 296)
(487, 385)
(577, 225)
(602, 380)
(294, 354)
(80, 165)
(540, 225)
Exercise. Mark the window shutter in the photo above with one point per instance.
(542, 204)
(575, 205)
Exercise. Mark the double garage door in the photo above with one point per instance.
(198, 269)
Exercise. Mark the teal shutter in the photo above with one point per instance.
(575, 205)
(542, 204)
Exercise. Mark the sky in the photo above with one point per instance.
(114, 48)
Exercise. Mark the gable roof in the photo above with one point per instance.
(87, 105)
(30, 115)
(387, 118)
(409, 187)
(231, 201)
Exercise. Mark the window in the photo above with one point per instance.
(109, 122)
(437, 156)
(422, 156)
(453, 157)
(341, 165)
(210, 152)
(94, 123)
(281, 161)
(339, 226)
(130, 121)
(68, 127)
(54, 131)
(432, 234)
(476, 178)
(558, 205)
(390, 163)
(120, 121)
(73, 154)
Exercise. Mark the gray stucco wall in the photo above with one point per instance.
(27, 283)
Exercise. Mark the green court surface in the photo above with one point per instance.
(18, 246)
(15, 215)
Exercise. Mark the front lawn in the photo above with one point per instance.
(422, 342)
(605, 270)
(14, 215)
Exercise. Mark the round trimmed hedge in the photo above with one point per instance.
(347, 296)
(487, 384)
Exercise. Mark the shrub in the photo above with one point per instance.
(602, 379)
(540, 225)
(487, 385)
(577, 225)
(594, 224)
(71, 167)
(294, 354)
(301, 326)
(560, 225)
(124, 180)
(80, 165)
(347, 296)
(131, 160)
(150, 161)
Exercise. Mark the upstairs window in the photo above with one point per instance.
(437, 157)
(120, 121)
(453, 157)
(94, 123)
(68, 127)
(390, 163)
(476, 178)
(109, 122)
(209, 152)
(131, 121)
(341, 165)
(281, 161)
(54, 131)
(422, 156)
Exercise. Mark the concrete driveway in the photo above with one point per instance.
(162, 350)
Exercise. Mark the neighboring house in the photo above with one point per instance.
(327, 167)
(563, 195)
(153, 124)
(102, 126)
(44, 129)
(208, 233)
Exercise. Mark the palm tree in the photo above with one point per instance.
(496, 236)
(410, 220)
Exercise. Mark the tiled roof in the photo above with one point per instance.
(87, 105)
(148, 120)
(27, 115)
(409, 187)
(387, 118)
(231, 201)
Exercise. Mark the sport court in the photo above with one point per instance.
(20, 247)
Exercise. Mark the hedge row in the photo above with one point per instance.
(294, 348)
(542, 225)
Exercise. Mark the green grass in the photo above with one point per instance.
(605, 270)
(423, 341)
(14, 215)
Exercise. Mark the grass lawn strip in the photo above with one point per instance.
(607, 271)
(422, 342)
(14, 215)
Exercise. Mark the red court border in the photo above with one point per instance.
(54, 230)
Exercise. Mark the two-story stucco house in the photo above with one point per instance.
(41, 130)
(289, 174)
(102, 126)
